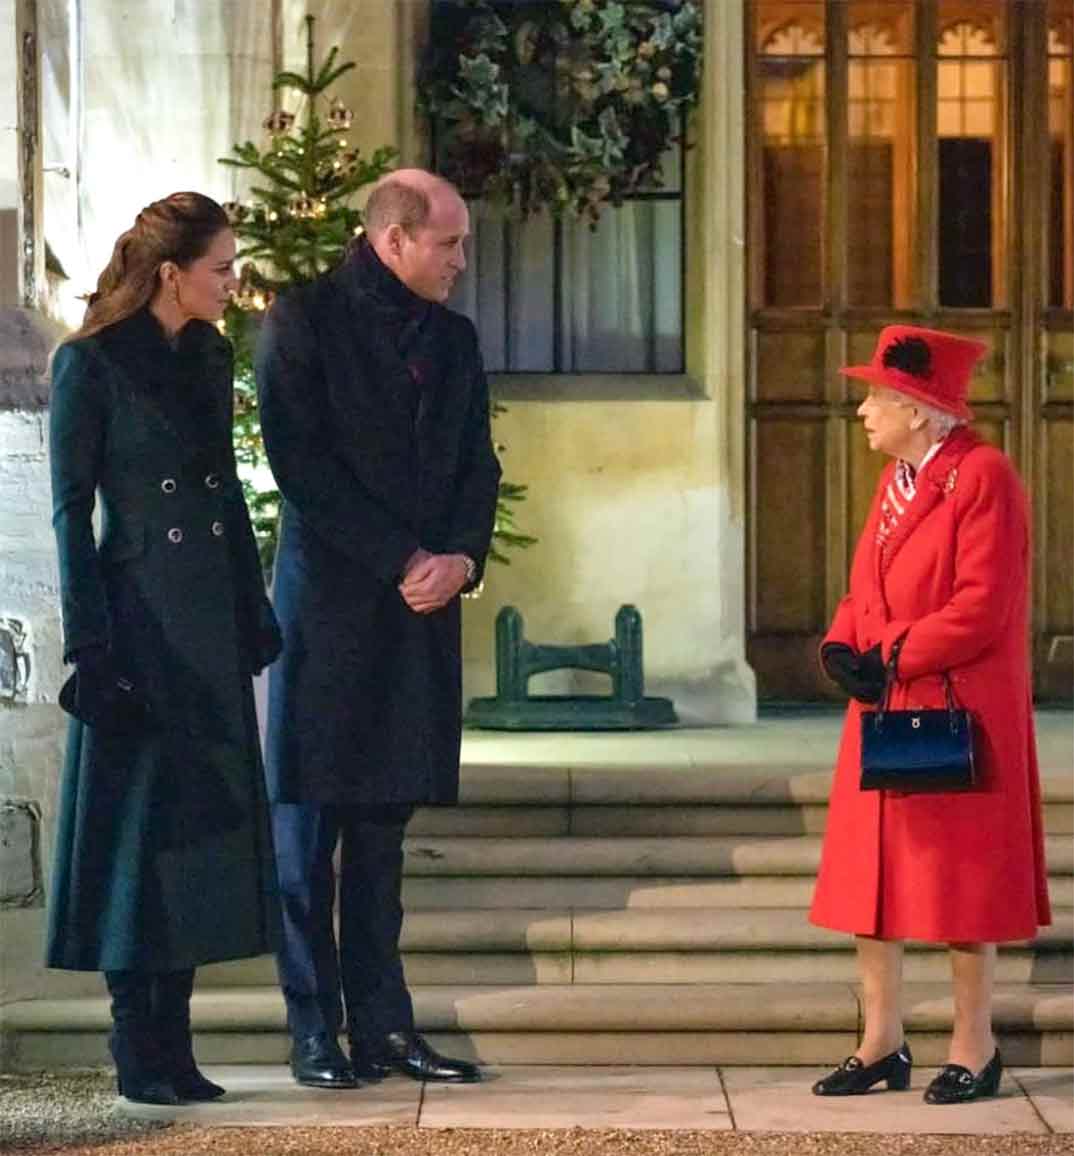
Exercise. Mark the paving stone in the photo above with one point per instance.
(1052, 1092)
(780, 1100)
(592, 1097)
(263, 1096)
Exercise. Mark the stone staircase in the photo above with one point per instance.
(636, 900)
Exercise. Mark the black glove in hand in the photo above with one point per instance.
(860, 675)
(99, 696)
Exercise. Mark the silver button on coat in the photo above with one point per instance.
(218, 529)
(212, 481)
(175, 534)
(168, 485)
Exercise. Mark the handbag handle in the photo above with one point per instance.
(890, 679)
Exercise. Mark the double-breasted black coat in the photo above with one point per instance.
(163, 853)
(375, 414)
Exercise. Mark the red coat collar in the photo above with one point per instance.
(934, 482)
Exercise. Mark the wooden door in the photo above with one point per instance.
(909, 160)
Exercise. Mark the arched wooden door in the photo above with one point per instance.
(909, 160)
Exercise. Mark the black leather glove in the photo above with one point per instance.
(99, 696)
(860, 675)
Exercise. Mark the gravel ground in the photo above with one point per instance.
(77, 1108)
(576, 1142)
(75, 1115)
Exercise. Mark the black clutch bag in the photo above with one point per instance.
(916, 750)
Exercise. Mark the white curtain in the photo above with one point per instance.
(619, 296)
(140, 98)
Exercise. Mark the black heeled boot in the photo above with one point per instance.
(140, 1072)
(853, 1078)
(171, 1018)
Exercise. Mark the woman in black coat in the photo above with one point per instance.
(163, 849)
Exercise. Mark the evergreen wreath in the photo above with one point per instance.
(564, 104)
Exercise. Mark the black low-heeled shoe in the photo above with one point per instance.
(958, 1085)
(853, 1078)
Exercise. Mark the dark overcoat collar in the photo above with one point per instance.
(185, 384)
(392, 333)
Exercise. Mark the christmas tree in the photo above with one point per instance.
(295, 225)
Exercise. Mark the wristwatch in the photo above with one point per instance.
(471, 568)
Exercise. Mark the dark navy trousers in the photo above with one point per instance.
(363, 973)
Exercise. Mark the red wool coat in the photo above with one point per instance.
(945, 867)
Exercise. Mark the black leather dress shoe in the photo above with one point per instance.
(408, 1053)
(367, 1061)
(853, 1078)
(958, 1085)
(318, 1062)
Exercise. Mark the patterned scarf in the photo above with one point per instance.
(900, 492)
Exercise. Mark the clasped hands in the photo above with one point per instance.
(862, 676)
(430, 581)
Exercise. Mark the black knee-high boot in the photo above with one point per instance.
(140, 1073)
(171, 1018)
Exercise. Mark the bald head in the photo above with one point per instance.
(417, 223)
(406, 197)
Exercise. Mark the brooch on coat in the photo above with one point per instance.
(949, 481)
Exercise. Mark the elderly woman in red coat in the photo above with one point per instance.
(940, 577)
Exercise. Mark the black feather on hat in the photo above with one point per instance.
(911, 355)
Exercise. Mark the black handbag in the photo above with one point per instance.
(914, 751)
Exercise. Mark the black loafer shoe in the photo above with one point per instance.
(317, 1061)
(408, 1053)
(853, 1078)
(958, 1085)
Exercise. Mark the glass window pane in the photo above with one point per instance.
(880, 27)
(789, 27)
(977, 29)
(793, 143)
(881, 168)
(508, 290)
(972, 154)
(1060, 211)
(622, 291)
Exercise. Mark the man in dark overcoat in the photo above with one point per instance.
(375, 414)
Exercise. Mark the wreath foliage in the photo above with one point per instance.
(564, 104)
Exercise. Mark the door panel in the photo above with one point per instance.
(934, 170)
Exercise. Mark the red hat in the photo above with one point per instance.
(933, 366)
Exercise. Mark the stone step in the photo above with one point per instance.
(638, 929)
(654, 784)
(643, 819)
(741, 1023)
(569, 855)
(508, 892)
(1015, 965)
(645, 946)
